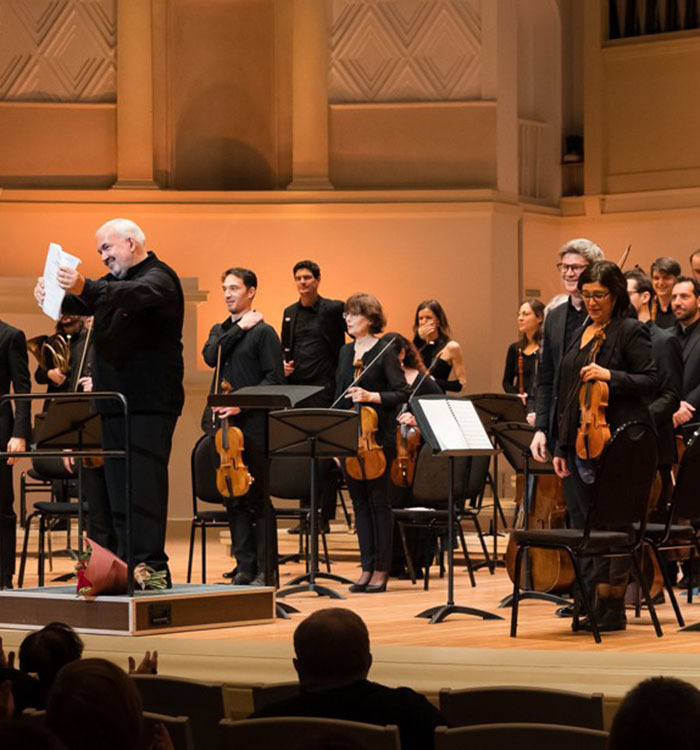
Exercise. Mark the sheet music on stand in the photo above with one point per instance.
(452, 426)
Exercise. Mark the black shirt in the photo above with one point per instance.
(511, 374)
(574, 320)
(314, 361)
(663, 318)
(684, 333)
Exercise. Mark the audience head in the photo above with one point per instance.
(574, 256)
(431, 313)
(604, 290)
(658, 712)
(25, 735)
(94, 703)
(332, 647)
(47, 650)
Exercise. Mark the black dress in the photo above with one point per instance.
(441, 369)
(370, 498)
(511, 376)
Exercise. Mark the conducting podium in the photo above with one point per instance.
(451, 427)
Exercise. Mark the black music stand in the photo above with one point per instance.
(72, 425)
(431, 434)
(267, 398)
(313, 434)
(494, 408)
(515, 438)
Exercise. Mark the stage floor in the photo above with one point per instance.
(459, 652)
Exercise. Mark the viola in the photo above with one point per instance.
(370, 462)
(232, 477)
(403, 467)
(593, 432)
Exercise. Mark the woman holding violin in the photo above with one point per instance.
(370, 378)
(611, 352)
(434, 341)
(523, 358)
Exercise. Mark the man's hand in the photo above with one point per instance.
(7, 661)
(538, 447)
(148, 665)
(249, 319)
(40, 291)
(226, 411)
(56, 376)
(15, 445)
(684, 414)
(288, 367)
(560, 467)
(70, 279)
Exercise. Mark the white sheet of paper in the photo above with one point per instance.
(55, 258)
(456, 424)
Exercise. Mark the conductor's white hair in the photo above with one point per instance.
(585, 248)
(123, 228)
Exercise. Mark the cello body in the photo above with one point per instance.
(549, 570)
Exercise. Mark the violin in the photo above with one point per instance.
(232, 477)
(594, 432)
(403, 467)
(370, 462)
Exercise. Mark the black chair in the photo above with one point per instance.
(678, 533)
(527, 705)
(203, 465)
(429, 494)
(178, 727)
(508, 736)
(620, 499)
(202, 702)
(264, 695)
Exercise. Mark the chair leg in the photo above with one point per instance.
(691, 564)
(406, 552)
(40, 557)
(516, 592)
(191, 553)
(204, 552)
(465, 552)
(484, 548)
(324, 541)
(667, 584)
(585, 600)
(23, 561)
(647, 596)
(348, 520)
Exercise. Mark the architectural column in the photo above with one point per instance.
(134, 95)
(310, 96)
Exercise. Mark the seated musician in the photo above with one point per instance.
(624, 361)
(523, 357)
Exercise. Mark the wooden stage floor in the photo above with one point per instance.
(461, 651)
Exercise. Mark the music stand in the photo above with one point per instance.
(476, 443)
(267, 398)
(515, 438)
(313, 434)
(494, 408)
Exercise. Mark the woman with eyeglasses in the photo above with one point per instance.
(624, 361)
(382, 388)
(523, 357)
(432, 337)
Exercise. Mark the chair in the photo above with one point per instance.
(509, 736)
(266, 694)
(202, 702)
(178, 727)
(620, 499)
(203, 465)
(514, 705)
(299, 733)
(676, 533)
(429, 491)
(47, 475)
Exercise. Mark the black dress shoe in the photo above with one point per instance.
(230, 573)
(294, 529)
(241, 579)
(358, 588)
(567, 611)
(376, 588)
(259, 580)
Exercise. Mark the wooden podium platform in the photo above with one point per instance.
(184, 607)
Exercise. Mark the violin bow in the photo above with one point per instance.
(424, 375)
(364, 372)
(624, 257)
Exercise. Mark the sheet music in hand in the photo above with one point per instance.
(453, 426)
(54, 294)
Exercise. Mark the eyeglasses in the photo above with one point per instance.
(597, 296)
(575, 267)
(347, 315)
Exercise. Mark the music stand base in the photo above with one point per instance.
(439, 613)
(541, 596)
(64, 578)
(306, 577)
(283, 610)
(313, 588)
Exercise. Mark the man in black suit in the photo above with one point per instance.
(333, 660)
(666, 352)
(313, 330)
(685, 301)
(15, 432)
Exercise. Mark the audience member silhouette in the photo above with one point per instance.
(333, 660)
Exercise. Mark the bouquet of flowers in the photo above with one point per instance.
(102, 572)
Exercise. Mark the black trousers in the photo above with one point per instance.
(246, 514)
(8, 518)
(374, 521)
(151, 441)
